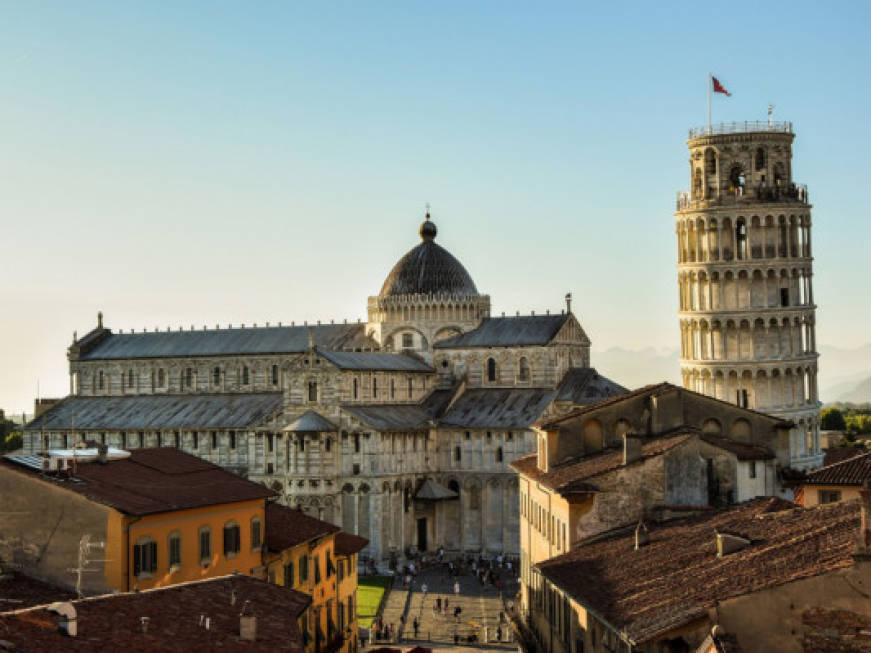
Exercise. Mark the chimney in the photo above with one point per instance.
(727, 544)
(67, 623)
(143, 622)
(247, 625)
(642, 535)
(631, 448)
(863, 541)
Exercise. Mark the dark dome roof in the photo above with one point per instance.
(428, 269)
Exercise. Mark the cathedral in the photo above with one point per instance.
(400, 429)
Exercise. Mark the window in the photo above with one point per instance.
(751, 468)
(303, 569)
(66, 441)
(216, 376)
(161, 378)
(174, 550)
(330, 568)
(205, 545)
(523, 369)
(784, 296)
(328, 444)
(214, 440)
(760, 158)
(270, 468)
(232, 439)
(468, 435)
(312, 390)
(188, 377)
(175, 439)
(458, 454)
(499, 455)
(256, 533)
(130, 378)
(232, 542)
(409, 387)
(317, 564)
(491, 369)
(145, 557)
(270, 442)
(100, 382)
(196, 438)
(356, 388)
(374, 386)
(288, 574)
(392, 388)
(829, 496)
(123, 439)
(275, 375)
(356, 443)
(509, 436)
(356, 469)
(741, 398)
(741, 239)
(245, 376)
(407, 340)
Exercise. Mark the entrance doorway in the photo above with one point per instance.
(421, 534)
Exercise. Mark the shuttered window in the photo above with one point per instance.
(145, 558)
(232, 539)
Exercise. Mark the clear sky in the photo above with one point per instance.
(211, 162)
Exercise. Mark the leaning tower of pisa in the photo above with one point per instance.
(745, 272)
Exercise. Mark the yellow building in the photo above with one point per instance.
(839, 481)
(314, 557)
(121, 520)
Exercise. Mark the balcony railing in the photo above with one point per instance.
(741, 128)
(761, 193)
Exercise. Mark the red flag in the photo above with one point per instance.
(719, 88)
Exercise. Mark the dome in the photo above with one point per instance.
(428, 269)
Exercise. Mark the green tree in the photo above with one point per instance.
(13, 441)
(832, 419)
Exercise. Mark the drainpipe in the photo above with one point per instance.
(127, 550)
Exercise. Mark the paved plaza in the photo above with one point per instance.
(481, 606)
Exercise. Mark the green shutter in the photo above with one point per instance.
(153, 550)
(137, 560)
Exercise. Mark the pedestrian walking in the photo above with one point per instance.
(416, 625)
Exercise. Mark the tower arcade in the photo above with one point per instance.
(747, 313)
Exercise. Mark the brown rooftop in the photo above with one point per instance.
(852, 471)
(114, 621)
(677, 577)
(287, 527)
(151, 481)
(18, 591)
(653, 390)
(567, 475)
(348, 543)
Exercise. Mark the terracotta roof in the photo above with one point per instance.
(18, 591)
(853, 471)
(151, 481)
(570, 476)
(743, 450)
(653, 389)
(348, 543)
(113, 621)
(678, 577)
(287, 527)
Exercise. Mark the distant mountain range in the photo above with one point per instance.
(845, 374)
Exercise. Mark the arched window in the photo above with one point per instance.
(453, 486)
(144, 557)
(741, 238)
(100, 381)
(710, 162)
(328, 445)
(188, 377)
(216, 376)
(256, 533)
(491, 369)
(130, 378)
(474, 497)
(275, 375)
(523, 369)
(205, 537)
(392, 388)
(499, 455)
(760, 159)
(374, 386)
(697, 183)
(245, 375)
(312, 390)
(161, 378)
(174, 550)
(356, 388)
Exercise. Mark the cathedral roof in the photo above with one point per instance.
(428, 269)
(584, 385)
(311, 422)
(216, 342)
(147, 412)
(381, 361)
(509, 332)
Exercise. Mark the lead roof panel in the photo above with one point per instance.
(508, 332)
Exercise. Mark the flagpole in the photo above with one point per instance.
(709, 103)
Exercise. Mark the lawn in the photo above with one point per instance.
(370, 589)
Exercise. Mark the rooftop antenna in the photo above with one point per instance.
(85, 546)
(770, 114)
